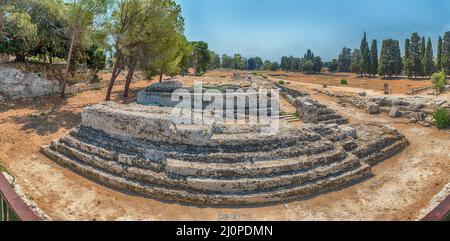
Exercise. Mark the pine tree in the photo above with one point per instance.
(374, 58)
(407, 60)
(345, 60)
(439, 55)
(428, 59)
(365, 56)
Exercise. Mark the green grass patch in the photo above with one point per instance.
(344, 82)
(442, 118)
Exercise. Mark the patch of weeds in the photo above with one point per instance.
(442, 118)
(344, 82)
(281, 82)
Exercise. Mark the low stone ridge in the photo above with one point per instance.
(417, 109)
(137, 148)
(309, 110)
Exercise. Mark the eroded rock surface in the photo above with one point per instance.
(139, 149)
(15, 84)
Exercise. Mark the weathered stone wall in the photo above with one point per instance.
(15, 84)
(310, 111)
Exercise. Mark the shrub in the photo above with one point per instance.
(439, 81)
(442, 118)
(281, 82)
(325, 86)
(344, 82)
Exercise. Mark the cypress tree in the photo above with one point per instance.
(407, 59)
(439, 55)
(428, 59)
(414, 54)
(423, 56)
(390, 63)
(397, 58)
(445, 62)
(374, 58)
(356, 61)
(365, 56)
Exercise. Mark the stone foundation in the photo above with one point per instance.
(138, 148)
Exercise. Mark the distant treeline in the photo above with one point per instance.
(418, 59)
(308, 64)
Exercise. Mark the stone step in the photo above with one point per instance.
(325, 111)
(217, 169)
(187, 196)
(370, 147)
(249, 185)
(252, 169)
(231, 143)
(332, 116)
(205, 154)
(242, 184)
(385, 153)
(338, 121)
(133, 160)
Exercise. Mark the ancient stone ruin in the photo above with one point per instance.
(416, 109)
(138, 148)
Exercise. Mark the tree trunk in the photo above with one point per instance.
(116, 71)
(69, 59)
(161, 75)
(129, 79)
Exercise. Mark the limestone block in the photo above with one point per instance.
(395, 112)
(373, 109)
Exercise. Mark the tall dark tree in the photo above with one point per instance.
(428, 61)
(202, 56)
(390, 62)
(356, 61)
(317, 64)
(284, 64)
(333, 65)
(445, 62)
(345, 60)
(439, 55)
(365, 56)
(407, 59)
(423, 53)
(415, 62)
(374, 58)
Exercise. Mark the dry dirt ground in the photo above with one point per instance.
(397, 86)
(399, 189)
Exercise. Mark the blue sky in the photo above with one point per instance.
(274, 28)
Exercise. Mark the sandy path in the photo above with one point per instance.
(400, 188)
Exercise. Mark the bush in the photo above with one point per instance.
(344, 82)
(281, 82)
(442, 118)
(325, 86)
(439, 81)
